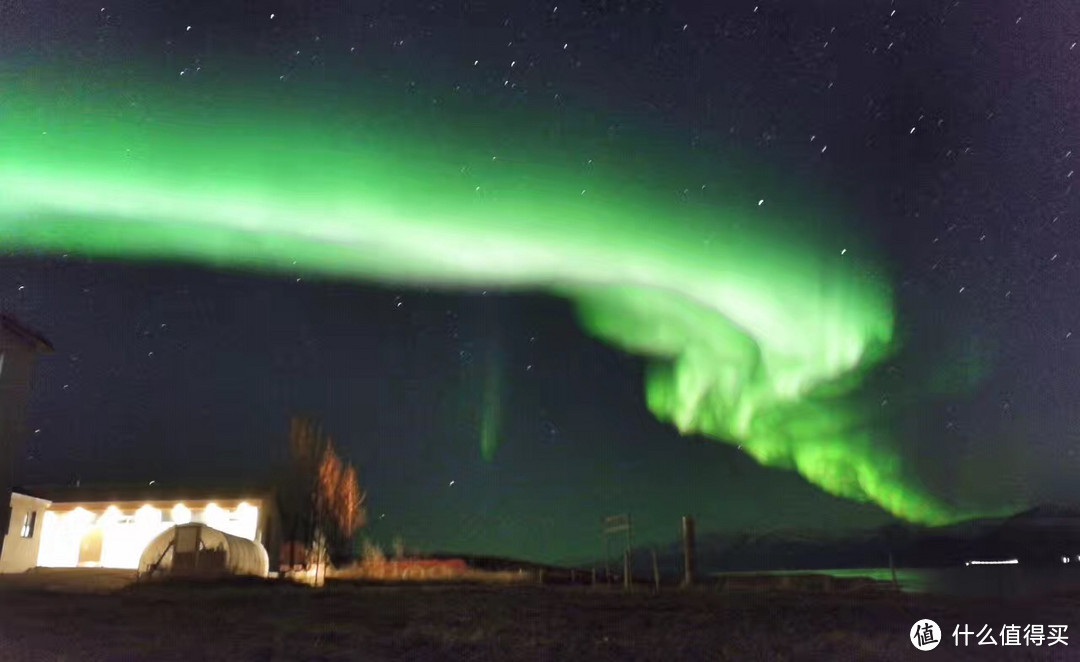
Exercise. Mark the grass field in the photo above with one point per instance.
(264, 621)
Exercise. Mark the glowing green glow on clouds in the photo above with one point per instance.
(754, 332)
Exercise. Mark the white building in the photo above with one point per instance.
(103, 528)
(23, 539)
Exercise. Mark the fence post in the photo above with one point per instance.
(655, 572)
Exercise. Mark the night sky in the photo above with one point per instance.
(937, 135)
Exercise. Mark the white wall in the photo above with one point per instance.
(20, 554)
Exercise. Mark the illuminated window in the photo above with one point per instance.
(29, 520)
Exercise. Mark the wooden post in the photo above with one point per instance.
(594, 576)
(688, 550)
(607, 559)
(655, 572)
(892, 569)
(626, 570)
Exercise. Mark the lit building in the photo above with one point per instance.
(110, 528)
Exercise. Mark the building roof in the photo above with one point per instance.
(31, 339)
(60, 494)
(18, 494)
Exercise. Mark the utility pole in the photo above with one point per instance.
(688, 550)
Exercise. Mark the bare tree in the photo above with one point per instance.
(339, 501)
(320, 499)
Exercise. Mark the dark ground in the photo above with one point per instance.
(256, 621)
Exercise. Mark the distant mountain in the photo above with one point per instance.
(1040, 536)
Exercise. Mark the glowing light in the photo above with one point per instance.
(215, 517)
(111, 516)
(54, 550)
(245, 521)
(181, 514)
(1005, 562)
(113, 538)
(79, 518)
(121, 540)
(62, 535)
(757, 339)
(122, 545)
(147, 515)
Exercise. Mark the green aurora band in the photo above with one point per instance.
(491, 411)
(753, 331)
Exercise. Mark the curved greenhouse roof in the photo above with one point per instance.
(197, 549)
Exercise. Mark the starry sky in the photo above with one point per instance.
(944, 133)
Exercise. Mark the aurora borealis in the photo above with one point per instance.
(774, 265)
(745, 319)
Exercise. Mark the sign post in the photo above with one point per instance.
(614, 525)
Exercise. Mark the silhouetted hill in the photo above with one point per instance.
(1039, 536)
